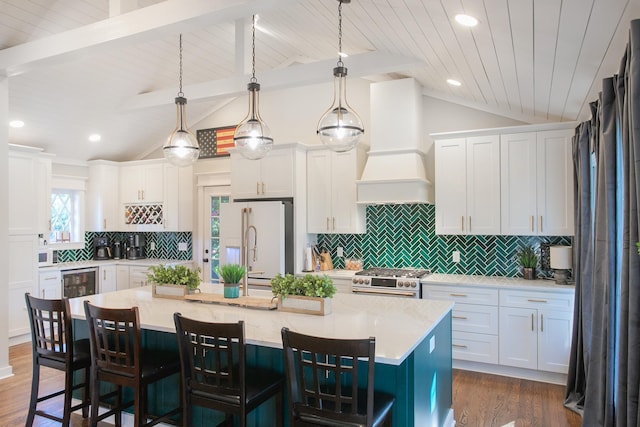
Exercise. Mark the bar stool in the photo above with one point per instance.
(214, 372)
(118, 358)
(323, 376)
(53, 346)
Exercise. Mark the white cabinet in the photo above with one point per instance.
(142, 182)
(178, 198)
(102, 196)
(537, 183)
(536, 329)
(122, 277)
(468, 185)
(271, 176)
(23, 215)
(138, 276)
(23, 278)
(50, 282)
(43, 194)
(108, 278)
(332, 193)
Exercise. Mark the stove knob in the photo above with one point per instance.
(413, 285)
(361, 281)
(366, 281)
(354, 281)
(401, 284)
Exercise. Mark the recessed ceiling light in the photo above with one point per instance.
(454, 82)
(16, 123)
(466, 20)
(95, 137)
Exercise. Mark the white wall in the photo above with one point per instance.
(5, 369)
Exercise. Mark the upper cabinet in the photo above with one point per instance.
(467, 173)
(178, 198)
(29, 174)
(269, 177)
(102, 196)
(332, 192)
(537, 183)
(142, 182)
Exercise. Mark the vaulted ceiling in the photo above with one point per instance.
(81, 66)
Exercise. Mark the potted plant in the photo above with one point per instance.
(309, 294)
(528, 260)
(232, 275)
(173, 281)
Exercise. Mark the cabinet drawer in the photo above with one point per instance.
(461, 294)
(475, 318)
(475, 347)
(536, 299)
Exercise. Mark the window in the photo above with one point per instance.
(67, 214)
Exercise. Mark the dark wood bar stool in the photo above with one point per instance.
(53, 346)
(214, 372)
(323, 375)
(118, 358)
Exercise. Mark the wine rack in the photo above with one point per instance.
(147, 214)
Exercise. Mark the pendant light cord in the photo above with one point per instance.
(253, 49)
(340, 63)
(180, 93)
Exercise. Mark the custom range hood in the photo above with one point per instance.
(395, 169)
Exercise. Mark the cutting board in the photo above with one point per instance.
(251, 302)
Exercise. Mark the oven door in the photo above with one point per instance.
(385, 292)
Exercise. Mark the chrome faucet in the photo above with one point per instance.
(245, 256)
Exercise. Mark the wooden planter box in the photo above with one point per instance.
(171, 291)
(305, 305)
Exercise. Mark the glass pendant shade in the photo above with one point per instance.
(340, 128)
(252, 137)
(182, 147)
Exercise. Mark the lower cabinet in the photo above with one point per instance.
(138, 276)
(50, 284)
(122, 277)
(108, 278)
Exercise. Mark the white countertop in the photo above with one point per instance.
(497, 281)
(334, 274)
(97, 263)
(398, 324)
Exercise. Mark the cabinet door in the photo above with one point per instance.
(518, 337)
(122, 277)
(130, 186)
(153, 183)
(555, 183)
(43, 194)
(554, 340)
(276, 171)
(347, 216)
(102, 198)
(483, 185)
(138, 276)
(23, 216)
(451, 186)
(518, 202)
(319, 188)
(245, 177)
(23, 277)
(50, 284)
(108, 278)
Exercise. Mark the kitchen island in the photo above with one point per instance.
(413, 343)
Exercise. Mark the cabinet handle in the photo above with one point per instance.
(462, 222)
(104, 274)
(531, 222)
(105, 224)
(469, 223)
(460, 317)
(459, 345)
(257, 187)
(49, 225)
(532, 321)
(458, 295)
(540, 228)
(142, 191)
(334, 223)
(263, 187)
(536, 300)
(541, 322)
(327, 223)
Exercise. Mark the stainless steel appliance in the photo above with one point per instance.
(79, 282)
(258, 234)
(101, 248)
(400, 282)
(136, 246)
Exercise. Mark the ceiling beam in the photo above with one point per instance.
(359, 65)
(149, 23)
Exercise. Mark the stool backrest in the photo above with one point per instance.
(212, 357)
(51, 332)
(115, 338)
(329, 379)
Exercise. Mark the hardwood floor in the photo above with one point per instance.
(491, 400)
(479, 400)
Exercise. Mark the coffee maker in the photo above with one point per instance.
(136, 246)
(101, 248)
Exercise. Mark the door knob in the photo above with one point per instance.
(205, 260)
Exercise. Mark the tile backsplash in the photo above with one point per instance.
(166, 245)
(404, 236)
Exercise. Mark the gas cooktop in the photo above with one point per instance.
(408, 273)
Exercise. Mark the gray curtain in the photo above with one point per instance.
(604, 372)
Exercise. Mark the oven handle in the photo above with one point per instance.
(382, 292)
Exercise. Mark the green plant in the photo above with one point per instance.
(309, 285)
(178, 275)
(231, 273)
(527, 257)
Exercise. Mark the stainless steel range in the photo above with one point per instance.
(403, 282)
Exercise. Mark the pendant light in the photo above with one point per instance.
(252, 137)
(340, 128)
(182, 147)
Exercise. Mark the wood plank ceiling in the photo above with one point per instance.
(531, 60)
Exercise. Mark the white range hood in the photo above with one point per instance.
(395, 169)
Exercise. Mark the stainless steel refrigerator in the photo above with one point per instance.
(261, 231)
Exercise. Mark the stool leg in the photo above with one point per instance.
(86, 395)
(68, 391)
(95, 402)
(118, 414)
(35, 381)
(279, 421)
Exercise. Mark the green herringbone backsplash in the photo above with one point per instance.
(404, 236)
(166, 246)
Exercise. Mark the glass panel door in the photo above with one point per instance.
(213, 197)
